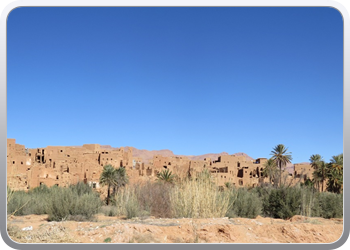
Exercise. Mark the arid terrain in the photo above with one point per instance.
(157, 230)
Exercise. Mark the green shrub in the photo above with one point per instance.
(107, 240)
(16, 205)
(42, 189)
(87, 205)
(61, 204)
(81, 188)
(76, 203)
(331, 205)
(246, 204)
(283, 202)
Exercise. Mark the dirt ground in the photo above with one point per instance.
(151, 230)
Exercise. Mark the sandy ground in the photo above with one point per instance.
(151, 230)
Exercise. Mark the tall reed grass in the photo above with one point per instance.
(199, 198)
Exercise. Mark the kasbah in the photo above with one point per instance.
(63, 165)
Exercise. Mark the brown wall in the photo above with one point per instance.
(59, 165)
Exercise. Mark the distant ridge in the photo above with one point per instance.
(147, 155)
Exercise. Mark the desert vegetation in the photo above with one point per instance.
(192, 196)
(189, 198)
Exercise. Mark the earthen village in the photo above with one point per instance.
(62, 166)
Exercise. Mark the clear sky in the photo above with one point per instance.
(192, 80)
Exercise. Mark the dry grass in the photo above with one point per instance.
(199, 198)
(143, 238)
(56, 233)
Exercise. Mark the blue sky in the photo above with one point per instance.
(192, 80)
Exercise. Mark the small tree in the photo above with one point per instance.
(281, 157)
(108, 177)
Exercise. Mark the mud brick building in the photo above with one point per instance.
(62, 166)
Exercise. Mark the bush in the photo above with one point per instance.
(246, 204)
(61, 204)
(16, 205)
(77, 203)
(87, 205)
(283, 202)
(81, 188)
(308, 206)
(154, 198)
(109, 210)
(126, 203)
(331, 205)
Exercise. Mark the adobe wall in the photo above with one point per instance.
(62, 166)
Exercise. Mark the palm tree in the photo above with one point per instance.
(315, 163)
(108, 177)
(316, 179)
(335, 174)
(121, 178)
(315, 160)
(335, 181)
(270, 170)
(281, 157)
(322, 173)
(166, 176)
(337, 162)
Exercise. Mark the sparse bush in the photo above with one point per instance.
(308, 206)
(143, 238)
(154, 197)
(48, 234)
(109, 210)
(132, 206)
(126, 203)
(107, 240)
